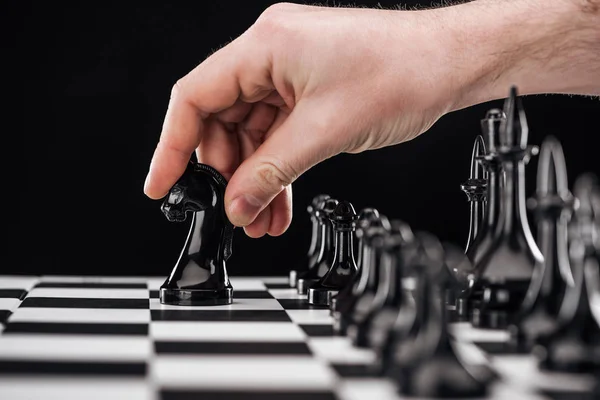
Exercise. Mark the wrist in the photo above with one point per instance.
(539, 46)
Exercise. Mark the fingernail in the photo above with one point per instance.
(243, 209)
(147, 183)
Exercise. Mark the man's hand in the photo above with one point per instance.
(306, 83)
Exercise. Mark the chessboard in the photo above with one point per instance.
(111, 338)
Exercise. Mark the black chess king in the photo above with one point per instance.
(200, 274)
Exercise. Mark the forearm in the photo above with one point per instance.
(538, 45)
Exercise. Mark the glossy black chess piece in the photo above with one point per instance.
(388, 297)
(398, 249)
(552, 205)
(325, 251)
(366, 217)
(575, 345)
(504, 272)
(430, 366)
(366, 286)
(200, 275)
(481, 243)
(476, 189)
(343, 266)
(304, 263)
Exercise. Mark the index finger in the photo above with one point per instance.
(212, 86)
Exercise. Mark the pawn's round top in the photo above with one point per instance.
(326, 208)
(402, 229)
(367, 216)
(364, 227)
(314, 204)
(344, 216)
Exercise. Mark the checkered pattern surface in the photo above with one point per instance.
(110, 338)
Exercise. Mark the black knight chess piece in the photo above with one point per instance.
(504, 272)
(325, 247)
(343, 266)
(200, 275)
(575, 346)
(553, 206)
(315, 239)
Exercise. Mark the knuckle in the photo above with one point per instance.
(273, 18)
(274, 175)
(177, 89)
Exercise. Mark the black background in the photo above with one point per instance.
(96, 84)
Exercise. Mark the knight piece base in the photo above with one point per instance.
(195, 297)
(304, 284)
(321, 296)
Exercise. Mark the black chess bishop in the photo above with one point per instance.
(552, 207)
(200, 274)
(575, 345)
(343, 266)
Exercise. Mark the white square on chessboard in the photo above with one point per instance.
(226, 331)
(287, 294)
(279, 280)
(242, 372)
(238, 304)
(69, 388)
(523, 372)
(339, 350)
(310, 317)
(246, 283)
(155, 283)
(18, 282)
(9, 304)
(464, 331)
(89, 293)
(80, 315)
(74, 348)
(93, 279)
(367, 388)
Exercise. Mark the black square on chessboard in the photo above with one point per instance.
(57, 328)
(77, 302)
(298, 304)
(13, 294)
(4, 314)
(318, 330)
(233, 348)
(70, 368)
(220, 315)
(171, 394)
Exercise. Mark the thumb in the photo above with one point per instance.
(289, 151)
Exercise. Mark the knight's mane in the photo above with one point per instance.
(212, 172)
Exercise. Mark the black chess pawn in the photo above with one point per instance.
(200, 275)
(504, 272)
(396, 311)
(429, 366)
(367, 217)
(343, 315)
(552, 206)
(575, 345)
(385, 302)
(484, 238)
(325, 251)
(343, 266)
(315, 239)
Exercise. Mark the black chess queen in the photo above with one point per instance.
(200, 274)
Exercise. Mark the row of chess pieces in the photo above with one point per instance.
(396, 291)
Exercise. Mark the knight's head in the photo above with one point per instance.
(194, 191)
